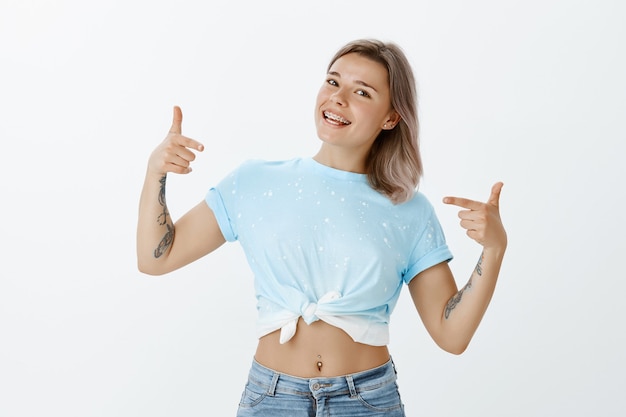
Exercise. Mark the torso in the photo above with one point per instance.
(323, 244)
(318, 342)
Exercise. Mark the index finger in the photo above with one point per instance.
(463, 202)
(190, 143)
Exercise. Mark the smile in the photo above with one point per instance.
(335, 118)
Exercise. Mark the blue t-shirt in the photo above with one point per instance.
(323, 245)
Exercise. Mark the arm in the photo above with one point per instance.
(163, 246)
(450, 315)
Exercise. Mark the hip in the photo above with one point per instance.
(373, 392)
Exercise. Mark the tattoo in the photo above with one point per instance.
(162, 219)
(479, 268)
(165, 242)
(454, 301)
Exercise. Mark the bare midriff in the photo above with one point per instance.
(318, 349)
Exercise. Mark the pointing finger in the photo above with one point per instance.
(462, 202)
(192, 143)
(176, 128)
(177, 122)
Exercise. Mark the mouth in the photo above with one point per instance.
(335, 119)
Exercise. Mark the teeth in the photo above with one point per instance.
(336, 118)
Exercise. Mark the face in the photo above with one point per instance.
(354, 103)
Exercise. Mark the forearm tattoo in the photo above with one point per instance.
(479, 265)
(454, 301)
(162, 219)
(167, 240)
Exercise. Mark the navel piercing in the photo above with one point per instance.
(319, 363)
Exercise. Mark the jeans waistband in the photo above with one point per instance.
(351, 384)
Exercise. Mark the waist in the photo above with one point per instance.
(276, 382)
(318, 350)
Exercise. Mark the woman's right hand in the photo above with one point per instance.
(197, 231)
(174, 153)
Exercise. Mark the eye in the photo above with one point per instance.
(332, 82)
(363, 93)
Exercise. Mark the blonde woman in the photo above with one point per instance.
(331, 240)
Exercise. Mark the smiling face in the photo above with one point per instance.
(353, 105)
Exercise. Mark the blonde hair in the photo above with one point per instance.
(394, 165)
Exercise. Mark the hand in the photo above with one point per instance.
(174, 153)
(482, 220)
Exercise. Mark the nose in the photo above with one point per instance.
(337, 97)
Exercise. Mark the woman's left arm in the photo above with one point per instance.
(450, 315)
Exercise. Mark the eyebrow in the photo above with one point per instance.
(363, 83)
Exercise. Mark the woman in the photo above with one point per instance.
(331, 240)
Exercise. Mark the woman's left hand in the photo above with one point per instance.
(482, 220)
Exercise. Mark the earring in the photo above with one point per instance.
(385, 125)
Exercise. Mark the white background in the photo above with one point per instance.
(532, 93)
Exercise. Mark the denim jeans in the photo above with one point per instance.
(369, 393)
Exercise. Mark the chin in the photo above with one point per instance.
(327, 138)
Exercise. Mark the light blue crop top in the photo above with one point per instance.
(323, 245)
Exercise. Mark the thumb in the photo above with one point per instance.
(177, 122)
(494, 198)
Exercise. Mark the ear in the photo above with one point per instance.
(393, 118)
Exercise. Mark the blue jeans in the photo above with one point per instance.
(369, 393)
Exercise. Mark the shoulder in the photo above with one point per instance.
(418, 202)
(254, 172)
(262, 165)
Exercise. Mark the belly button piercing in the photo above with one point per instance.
(319, 363)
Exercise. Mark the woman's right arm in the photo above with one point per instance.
(162, 245)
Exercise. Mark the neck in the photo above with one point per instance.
(342, 159)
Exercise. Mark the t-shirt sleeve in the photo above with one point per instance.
(222, 200)
(430, 249)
